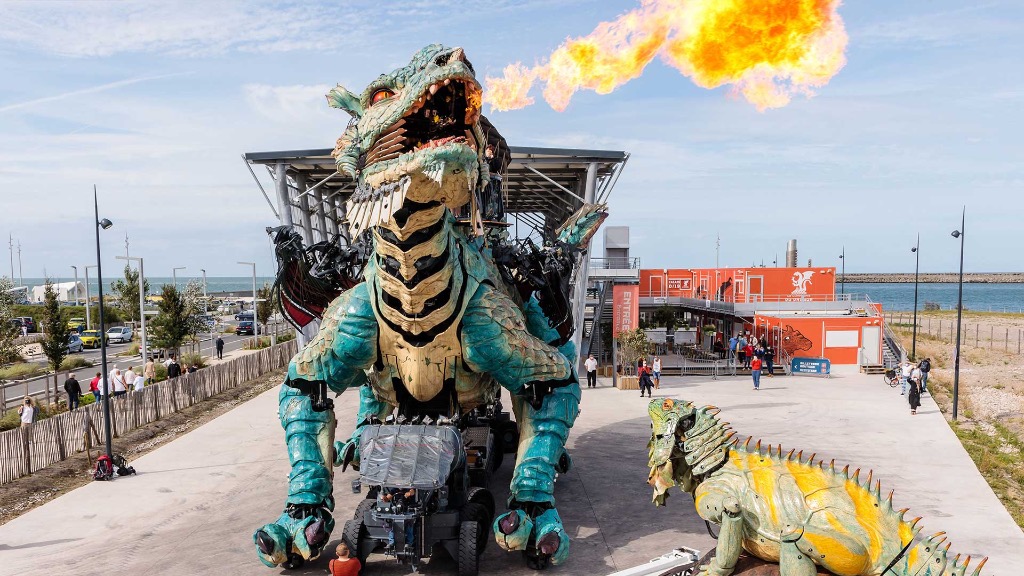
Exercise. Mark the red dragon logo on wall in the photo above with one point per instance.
(793, 341)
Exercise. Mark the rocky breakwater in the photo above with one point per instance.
(972, 278)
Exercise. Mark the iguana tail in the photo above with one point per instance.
(931, 558)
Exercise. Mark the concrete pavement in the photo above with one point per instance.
(196, 501)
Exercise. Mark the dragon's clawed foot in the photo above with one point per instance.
(299, 534)
(347, 454)
(542, 537)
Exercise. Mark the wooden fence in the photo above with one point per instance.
(1005, 338)
(27, 449)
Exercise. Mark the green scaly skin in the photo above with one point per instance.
(780, 508)
(501, 341)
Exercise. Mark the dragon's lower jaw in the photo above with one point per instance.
(661, 479)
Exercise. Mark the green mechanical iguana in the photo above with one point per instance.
(433, 330)
(784, 508)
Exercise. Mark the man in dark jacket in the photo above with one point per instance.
(74, 390)
(926, 366)
(173, 369)
(220, 348)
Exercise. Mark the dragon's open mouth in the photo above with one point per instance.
(444, 114)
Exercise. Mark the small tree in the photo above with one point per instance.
(8, 331)
(633, 346)
(178, 317)
(265, 306)
(55, 326)
(126, 293)
(665, 316)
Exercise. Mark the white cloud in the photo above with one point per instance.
(297, 103)
(86, 29)
(82, 92)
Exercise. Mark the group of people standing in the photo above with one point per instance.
(744, 349)
(119, 383)
(914, 377)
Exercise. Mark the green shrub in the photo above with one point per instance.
(229, 329)
(21, 370)
(261, 343)
(290, 335)
(72, 362)
(190, 359)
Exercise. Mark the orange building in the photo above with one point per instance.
(741, 284)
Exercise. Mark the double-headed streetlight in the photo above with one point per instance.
(255, 324)
(174, 274)
(842, 282)
(917, 268)
(104, 377)
(959, 311)
(142, 304)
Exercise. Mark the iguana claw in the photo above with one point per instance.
(346, 454)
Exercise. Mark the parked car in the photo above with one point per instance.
(76, 324)
(244, 315)
(75, 344)
(245, 327)
(28, 322)
(91, 338)
(120, 334)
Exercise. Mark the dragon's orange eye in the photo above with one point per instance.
(381, 94)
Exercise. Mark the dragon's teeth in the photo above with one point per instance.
(447, 81)
(433, 89)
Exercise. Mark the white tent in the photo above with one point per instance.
(65, 292)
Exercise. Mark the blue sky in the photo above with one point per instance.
(155, 102)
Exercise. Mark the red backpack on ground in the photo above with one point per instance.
(104, 468)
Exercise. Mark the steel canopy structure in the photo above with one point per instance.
(542, 187)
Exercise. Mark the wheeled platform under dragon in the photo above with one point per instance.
(426, 307)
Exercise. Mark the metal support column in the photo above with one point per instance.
(307, 221)
(583, 275)
(321, 222)
(284, 204)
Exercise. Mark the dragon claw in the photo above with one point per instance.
(298, 534)
(515, 530)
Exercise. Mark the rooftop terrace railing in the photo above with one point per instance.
(616, 263)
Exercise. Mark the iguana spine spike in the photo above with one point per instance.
(936, 535)
(790, 455)
(871, 474)
(846, 471)
(856, 475)
(800, 456)
(878, 489)
(832, 466)
(758, 446)
(913, 523)
(977, 571)
(811, 459)
(747, 443)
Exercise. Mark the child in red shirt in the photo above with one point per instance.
(343, 565)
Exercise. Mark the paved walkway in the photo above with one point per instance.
(194, 505)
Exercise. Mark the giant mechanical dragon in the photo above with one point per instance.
(444, 315)
(784, 508)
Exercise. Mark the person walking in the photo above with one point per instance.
(344, 564)
(74, 390)
(220, 348)
(644, 379)
(139, 384)
(755, 372)
(656, 368)
(27, 412)
(173, 368)
(129, 379)
(905, 372)
(94, 387)
(591, 366)
(741, 351)
(748, 355)
(926, 367)
(117, 380)
(769, 360)
(150, 371)
(914, 397)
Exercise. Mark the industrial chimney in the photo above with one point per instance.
(791, 254)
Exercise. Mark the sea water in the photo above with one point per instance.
(980, 297)
(214, 284)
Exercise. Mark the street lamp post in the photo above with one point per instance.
(959, 311)
(75, 268)
(917, 268)
(842, 281)
(174, 274)
(88, 320)
(104, 378)
(255, 324)
(142, 305)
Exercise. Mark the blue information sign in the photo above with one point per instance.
(813, 366)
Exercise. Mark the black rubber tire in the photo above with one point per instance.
(484, 497)
(474, 512)
(509, 437)
(362, 508)
(294, 562)
(469, 559)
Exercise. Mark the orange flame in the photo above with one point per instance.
(767, 50)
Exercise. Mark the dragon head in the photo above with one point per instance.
(415, 133)
(686, 442)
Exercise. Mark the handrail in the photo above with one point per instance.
(616, 263)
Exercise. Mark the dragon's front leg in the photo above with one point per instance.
(723, 508)
(546, 398)
(335, 360)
